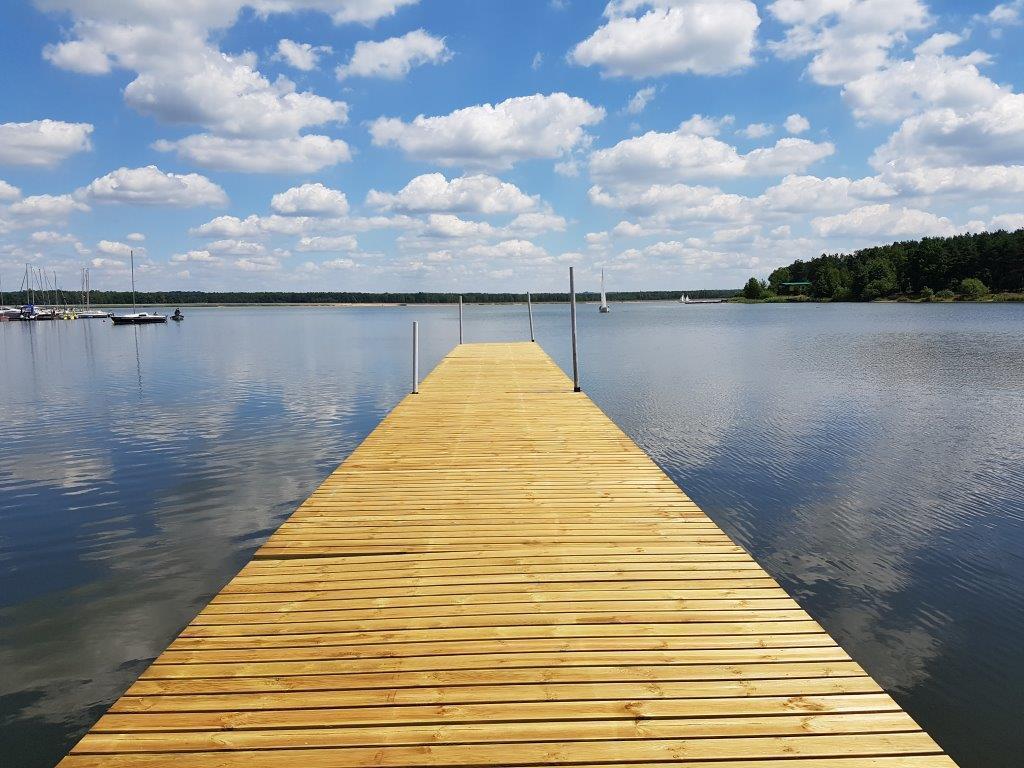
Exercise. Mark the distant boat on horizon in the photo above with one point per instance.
(604, 308)
(135, 317)
(685, 299)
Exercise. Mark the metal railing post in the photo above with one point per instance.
(460, 319)
(529, 309)
(415, 357)
(572, 314)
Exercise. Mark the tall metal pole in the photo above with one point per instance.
(460, 319)
(415, 357)
(529, 309)
(132, 255)
(572, 314)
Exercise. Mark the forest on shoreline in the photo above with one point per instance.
(973, 267)
(183, 298)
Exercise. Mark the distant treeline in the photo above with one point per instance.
(344, 297)
(970, 265)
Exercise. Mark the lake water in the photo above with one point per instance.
(870, 456)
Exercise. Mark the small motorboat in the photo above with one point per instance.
(93, 314)
(138, 318)
(177, 316)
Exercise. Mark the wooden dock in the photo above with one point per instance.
(499, 576)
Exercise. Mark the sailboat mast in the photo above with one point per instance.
(132, 256)
(88, 289)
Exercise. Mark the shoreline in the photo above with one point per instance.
(1004, 298)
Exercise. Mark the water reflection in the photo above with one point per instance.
(869, 456)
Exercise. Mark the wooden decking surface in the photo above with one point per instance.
(498, 576)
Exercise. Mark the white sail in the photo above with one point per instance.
(604, 298)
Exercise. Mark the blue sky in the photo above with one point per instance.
(478, 144)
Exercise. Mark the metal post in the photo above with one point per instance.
(572, 314)
(460, 319)
(529, 309)
(415, 357)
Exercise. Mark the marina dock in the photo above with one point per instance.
(499, 576)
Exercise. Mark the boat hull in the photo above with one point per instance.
(138, 320)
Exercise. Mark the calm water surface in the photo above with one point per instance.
(870, 456)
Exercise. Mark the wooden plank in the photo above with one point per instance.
(498, 576)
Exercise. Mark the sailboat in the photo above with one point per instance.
(30, 311)
(136, 317)
(604, 308)
(89, 313)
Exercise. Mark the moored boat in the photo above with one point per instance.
(89, 313)
(135, 317)
(684, 299)
(138, 318)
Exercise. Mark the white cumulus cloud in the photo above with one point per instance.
(8, 192)
(660, 37)
(304, 56)
(497, 135)
(946, 137)
(797, 124)
(757, 130)
(327, 244)
(196, 257)
(151, 186)
(845, 38)
(42, 142)
(701, 125)
(803, 194)
(392, 59)
(302, 154)
(310, 200)
(450, 226)
(117, 248)
(432, 192)
(182, 77)
(928, 81)
(883, 220)
(37, 209)
(237, 247)
(681, 157)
